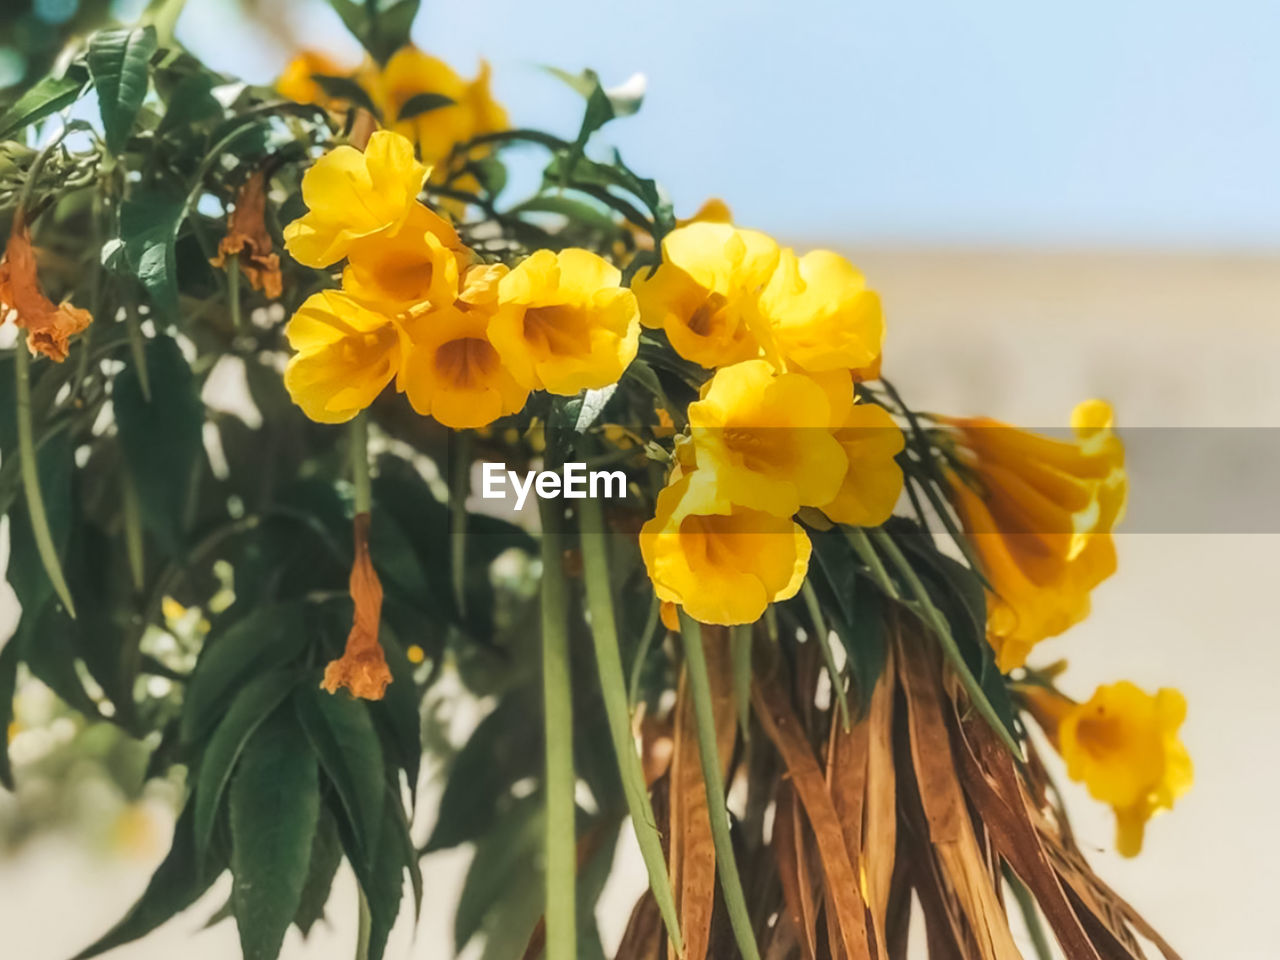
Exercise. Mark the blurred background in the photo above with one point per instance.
(1056, 201)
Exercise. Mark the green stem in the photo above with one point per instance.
(557, 713)
(604, 634)
(771, 623)
(138, 348)
(31, 480)
(823, 638)
(364, 925)
(359, 439)
(233, 291)
(740, 653)
(861, 544)
(933, 618)
(709, 754)
(459, 488)
(133, 531)
(642, 652)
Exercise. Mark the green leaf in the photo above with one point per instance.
(118, 63)
(492, 174)
(326, 856)
(177, 883)
(396, 714)
(274, 804)
(8, 684)
(421, 103)
(383, 883)
(602, 105)
(149, 229)
(251, 707)
(855, 609)
(343, 737)
(577, 211)
(503, 859)
(192, 102)
(381, 26)
(45, 98)
(162, 439)
(346, 88)
(269, 637)
(502, 749)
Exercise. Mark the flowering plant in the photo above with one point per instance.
(811, 596)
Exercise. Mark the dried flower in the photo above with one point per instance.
(49, 327)
(362, 668)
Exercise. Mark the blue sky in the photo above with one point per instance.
(1117, 123)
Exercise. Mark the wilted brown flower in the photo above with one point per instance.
(49, 327)
(362, 669)
(248, 239)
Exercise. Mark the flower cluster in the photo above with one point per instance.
(457, 110)
(776, 428)
(465, 340)
(781, 429)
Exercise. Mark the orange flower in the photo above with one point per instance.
(247, 238)
(49, 327)
(362, 669)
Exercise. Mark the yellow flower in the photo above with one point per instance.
(295, 82)
(1041, 522)
(353, 196)
(1123, 745)
(563, 323)
(821, 314)
(452, 371)
(872, 484)
(722, 562)
(706, 292)
(411, 72)
(346, 355)
(765, 438)
(420, 262)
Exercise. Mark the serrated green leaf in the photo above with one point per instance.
(162, 439)
(47, 97)
(118, 63)
(421, 103)
(326, 856)
(177, 883)
(343, 737)
(502, 861)
(274, 803)
(255, 702)
(268, 637)
(384, 882)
